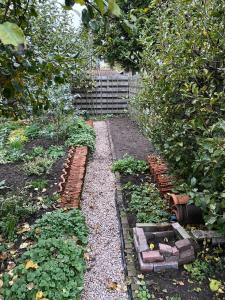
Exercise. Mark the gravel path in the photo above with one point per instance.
(104, 279)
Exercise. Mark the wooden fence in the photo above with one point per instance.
(110, 94)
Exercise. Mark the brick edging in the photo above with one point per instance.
(72, 177)
(126, 239)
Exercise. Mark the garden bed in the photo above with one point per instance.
(184, 283)
(32, 159)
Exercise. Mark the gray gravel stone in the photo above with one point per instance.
(98, 205)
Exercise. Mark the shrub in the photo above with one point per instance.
(129, 165)
(182, 104)
(53, 268)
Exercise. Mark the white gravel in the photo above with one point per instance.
(98, 205)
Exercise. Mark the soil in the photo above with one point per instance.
(127, 139)
(16, 179)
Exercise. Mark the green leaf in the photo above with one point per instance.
(193, 181)
(81, 2)
(114, 8)
(100, 5)
(11, 34)
(214, 285)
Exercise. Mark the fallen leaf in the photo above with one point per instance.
(197, 289)
(25, 228)
(214, 285)
(112, 285)
(1, 283)
(39, 295)
(141, 276)
(11, 265)
(30, 286)
(37, 230)
(24, 245)
(151, 246)
(31, 265)
(87, 256)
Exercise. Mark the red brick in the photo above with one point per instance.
(175, 251)
(183, 245)
(165, 249)
(152, 256)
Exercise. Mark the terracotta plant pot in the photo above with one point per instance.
(178, 199)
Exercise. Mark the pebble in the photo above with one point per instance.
(99, 208)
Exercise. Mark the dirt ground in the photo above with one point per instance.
(128, 140)
(168, 285)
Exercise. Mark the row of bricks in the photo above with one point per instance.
(73, 188)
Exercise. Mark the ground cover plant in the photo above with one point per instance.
(28, 192)
(129, 165)
(146, 204)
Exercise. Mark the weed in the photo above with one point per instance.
(13, 208)
(39, 166)
(198, 269)
(32, 131)
(129, 165)
(142, 292)
(39, 184)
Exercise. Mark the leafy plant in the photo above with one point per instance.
(39, 184)
(17, 138)
(181, 106)
(13, 208)
(142, 293)
(198, 270)
(39, 166)
(129, 165)
(146, 204)
(53, 268)
(55, 152)
(80, 134)
(32, 131)
(60, 223)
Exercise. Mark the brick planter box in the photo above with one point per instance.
(173, 246)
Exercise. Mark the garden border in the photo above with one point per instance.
(125, 233)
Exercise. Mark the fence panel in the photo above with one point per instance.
(110, 94)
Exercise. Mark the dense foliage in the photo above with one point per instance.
(182, 105)
(118, 40)
(53, 52)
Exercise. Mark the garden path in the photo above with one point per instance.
(104, 279)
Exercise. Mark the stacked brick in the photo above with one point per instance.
(159, 171)
(165, 256)
(71, 184)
